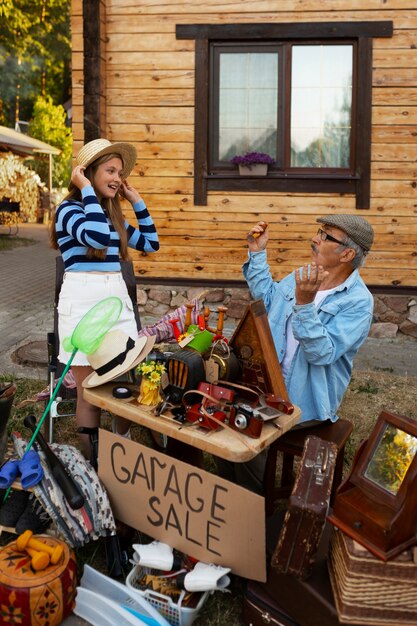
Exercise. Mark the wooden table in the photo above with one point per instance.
(224, 442)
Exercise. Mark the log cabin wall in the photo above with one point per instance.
(147, 97)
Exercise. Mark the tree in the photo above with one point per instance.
(48, 124)
(35, 55)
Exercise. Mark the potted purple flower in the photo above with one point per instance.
(253, 163)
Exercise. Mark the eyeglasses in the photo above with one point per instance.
(324, 236)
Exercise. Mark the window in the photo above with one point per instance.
(251, 90)
(246, 90)
(321, 106)
(299, 92)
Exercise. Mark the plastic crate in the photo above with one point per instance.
(176, 614)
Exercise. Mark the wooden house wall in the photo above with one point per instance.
(148, 99)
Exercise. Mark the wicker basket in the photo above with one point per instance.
(175, 613)
(368, 590)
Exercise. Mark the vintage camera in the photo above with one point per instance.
(202, 412)
(246, 420)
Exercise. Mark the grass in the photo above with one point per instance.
(368, 394)
(8, 242)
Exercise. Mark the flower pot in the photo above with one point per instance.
(257, 169)
(149, 393)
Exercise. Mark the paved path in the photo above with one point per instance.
(26, 295)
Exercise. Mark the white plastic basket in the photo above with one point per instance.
(176, 614)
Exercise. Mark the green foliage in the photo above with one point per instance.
(48, 124)
(35, 55)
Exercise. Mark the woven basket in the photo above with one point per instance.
(368, 590)
(175, 613)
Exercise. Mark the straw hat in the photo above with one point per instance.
(99, 147)
(117, 354)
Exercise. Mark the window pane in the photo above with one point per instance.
(248, 103)
(321, 106)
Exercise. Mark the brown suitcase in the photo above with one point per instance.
(308, 602)
(305, 518)
(285, 600)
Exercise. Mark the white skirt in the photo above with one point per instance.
(80, 291)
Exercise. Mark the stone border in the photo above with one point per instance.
(393, 315)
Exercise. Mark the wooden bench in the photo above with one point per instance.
(291, 444)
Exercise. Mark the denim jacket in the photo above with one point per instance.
(329, 336)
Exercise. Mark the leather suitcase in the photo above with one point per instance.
(308, 602)
(305, 518)
(260, 609)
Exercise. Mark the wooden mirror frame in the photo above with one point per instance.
(384, 522)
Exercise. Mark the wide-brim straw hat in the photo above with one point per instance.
(118, 353)
(99, 147)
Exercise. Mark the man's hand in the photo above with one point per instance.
(129, 192)
(307, 286)
(257, 237)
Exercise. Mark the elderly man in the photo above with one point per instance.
(319, 316)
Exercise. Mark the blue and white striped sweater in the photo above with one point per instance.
(80, 225)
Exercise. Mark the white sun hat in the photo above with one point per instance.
(117, 354)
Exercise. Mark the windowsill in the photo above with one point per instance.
(283, 176)
(281, 183)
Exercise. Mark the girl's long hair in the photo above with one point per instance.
(111, 206)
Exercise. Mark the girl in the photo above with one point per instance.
(92, 236)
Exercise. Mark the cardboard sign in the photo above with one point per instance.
(194, 511)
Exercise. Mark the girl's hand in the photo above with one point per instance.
(127, 191)
(257, 237)
(77, 177)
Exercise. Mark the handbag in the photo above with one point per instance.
(219, 393)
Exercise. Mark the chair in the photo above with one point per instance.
(55, 368)
(291, 444)
(7, 395)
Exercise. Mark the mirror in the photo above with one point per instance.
(392, 457)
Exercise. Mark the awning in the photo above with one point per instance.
(22, 144)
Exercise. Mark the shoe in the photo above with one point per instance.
(8, 473)
(12, 509)
(33, 518)
(155, 555)
(31, 469)
(205, 577)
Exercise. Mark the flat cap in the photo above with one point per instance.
(355, 226)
